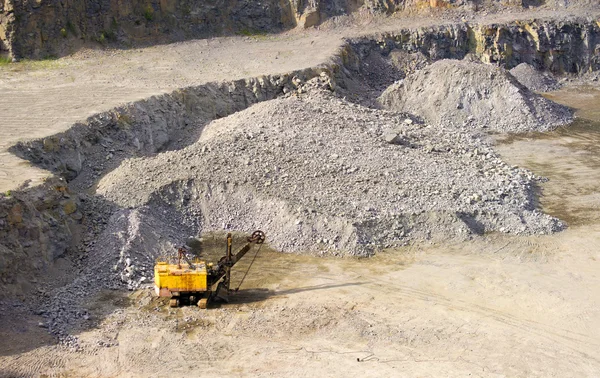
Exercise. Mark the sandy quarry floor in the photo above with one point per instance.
(44, 98)
(499, 306)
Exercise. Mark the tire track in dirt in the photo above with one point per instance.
(566, 338)
(46, 360)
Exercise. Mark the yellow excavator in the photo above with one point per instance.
(193, 282)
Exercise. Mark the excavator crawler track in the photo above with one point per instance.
(203, 303)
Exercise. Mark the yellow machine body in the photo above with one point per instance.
(173, 279)
(193, 282)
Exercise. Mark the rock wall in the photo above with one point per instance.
(556, 46)
(331, 8)
(5, 24)
(47, 28)
(53, 27)
(35, 230)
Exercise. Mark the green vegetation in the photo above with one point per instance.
(149, 13)
(105, 36)
(63, 32)
(71, 28)
(252, 33)
(47, 63)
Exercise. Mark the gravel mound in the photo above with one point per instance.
(473, 95)
(319, 174)
(316, 173)
(533, 79)
(123, 254)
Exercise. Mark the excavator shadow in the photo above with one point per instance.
(261, 294)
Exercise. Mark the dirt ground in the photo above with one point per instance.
(494, 306)
(497, 305)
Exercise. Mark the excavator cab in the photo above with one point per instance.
(200, 282)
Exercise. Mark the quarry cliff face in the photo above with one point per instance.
(41, 28)
(556, 46)
(48, 28)
(44, 28)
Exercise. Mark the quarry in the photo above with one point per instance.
(426, 174)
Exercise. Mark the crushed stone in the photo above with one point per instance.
(319, 174)
(533, 79)
(473, 95)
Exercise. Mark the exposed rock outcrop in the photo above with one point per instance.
(43, 28)
(35, 230)
(548, 45)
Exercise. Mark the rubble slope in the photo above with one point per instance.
(317, 173)
(476, 95)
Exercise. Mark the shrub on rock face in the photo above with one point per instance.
(474, 95)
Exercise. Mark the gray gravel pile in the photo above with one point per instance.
(533, 79)
(473, 95)
(316, 173)
(123, 254)
(319, 174)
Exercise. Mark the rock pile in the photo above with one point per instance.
(533, 79)
(123, 254)
(319, 174)
(473, 95)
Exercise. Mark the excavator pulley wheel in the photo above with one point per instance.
(202, 303)
(257, 237)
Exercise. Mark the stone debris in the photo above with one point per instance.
(315, 167)
(533, 79)
(473, 95)
(317, 173)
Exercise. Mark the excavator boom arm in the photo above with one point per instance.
(238, 256)
(229, 260)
